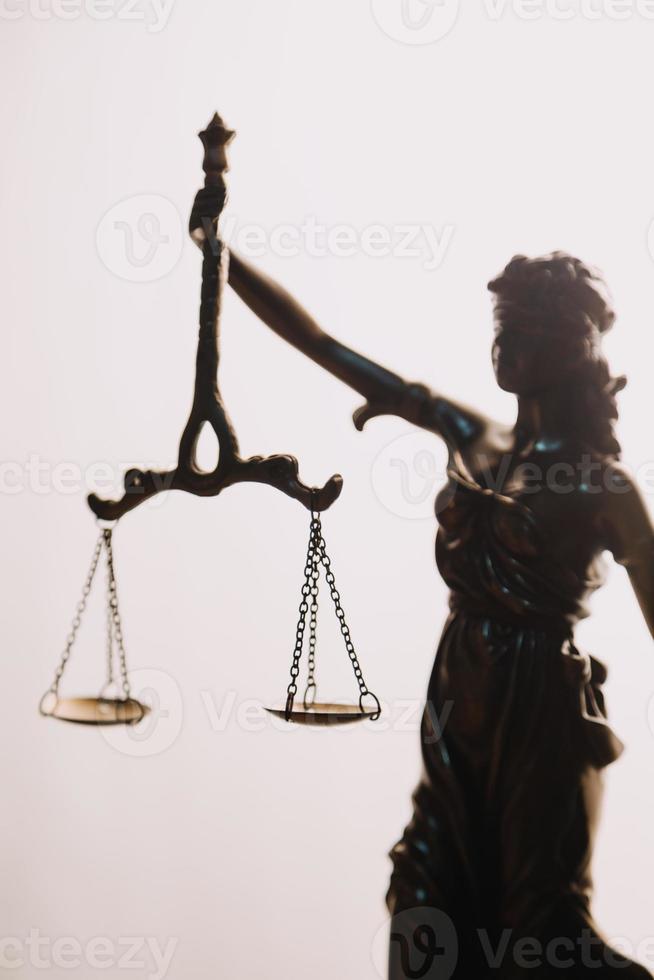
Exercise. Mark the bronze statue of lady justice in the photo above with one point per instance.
(504, 816)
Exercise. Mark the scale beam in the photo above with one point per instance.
(279, 471)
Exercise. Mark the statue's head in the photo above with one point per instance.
(550, 315)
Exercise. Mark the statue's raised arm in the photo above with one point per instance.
(386, 393)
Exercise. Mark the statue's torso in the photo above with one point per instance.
(522, 536)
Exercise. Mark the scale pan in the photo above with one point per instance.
(96, 711)
(326, 714)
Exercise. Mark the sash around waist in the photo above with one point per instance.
(524, 620)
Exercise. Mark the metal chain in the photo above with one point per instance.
(110, 639)
(317, 555)
(311, 689)
(114, 613)
(79, 612)
(345, 629)
(314, 536)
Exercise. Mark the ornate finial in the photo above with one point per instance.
(215, 139)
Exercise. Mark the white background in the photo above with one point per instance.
(264, 852)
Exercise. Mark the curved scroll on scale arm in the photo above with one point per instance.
(279, 471)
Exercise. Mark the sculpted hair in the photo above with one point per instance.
(559, 296)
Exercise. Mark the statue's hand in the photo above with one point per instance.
(207, 207)
(367, 412)
(407, 402)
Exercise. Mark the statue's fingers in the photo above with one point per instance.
(364, 414)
